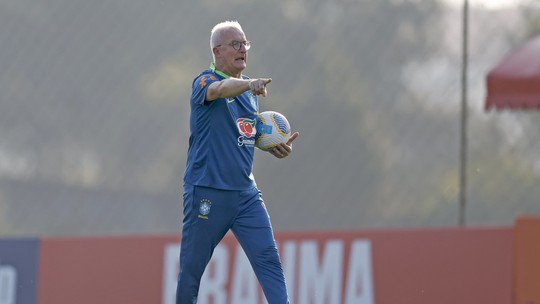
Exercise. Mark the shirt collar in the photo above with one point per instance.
(220, 73)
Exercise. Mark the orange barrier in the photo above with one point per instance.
(107, 270)
(443, 266)
(527, 262)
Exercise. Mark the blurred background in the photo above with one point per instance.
(94, 110)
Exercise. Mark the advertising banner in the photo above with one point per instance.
(105, 270)
(317, 270)
(527, 262)
(443, 266)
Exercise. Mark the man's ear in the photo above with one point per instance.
(215, 51)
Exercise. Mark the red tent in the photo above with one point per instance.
(514, 83)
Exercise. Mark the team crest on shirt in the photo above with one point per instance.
(204, 208)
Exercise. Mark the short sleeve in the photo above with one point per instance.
(199, 87)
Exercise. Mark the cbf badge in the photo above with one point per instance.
(204, 208)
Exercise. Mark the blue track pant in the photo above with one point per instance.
(208, 215)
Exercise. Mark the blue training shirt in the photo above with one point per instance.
(222, 137)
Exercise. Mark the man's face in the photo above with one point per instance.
(229, 60)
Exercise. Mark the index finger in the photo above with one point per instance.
(266, 80)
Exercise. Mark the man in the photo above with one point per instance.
(219, 189)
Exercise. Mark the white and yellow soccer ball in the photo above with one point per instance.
(273, 128)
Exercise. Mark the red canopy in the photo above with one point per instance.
(514, 83)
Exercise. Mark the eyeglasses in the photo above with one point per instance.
(238, 44)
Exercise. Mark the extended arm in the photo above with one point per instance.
(232, 87)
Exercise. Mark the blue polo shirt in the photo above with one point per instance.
(222, 137)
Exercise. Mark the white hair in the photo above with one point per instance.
(219, 28)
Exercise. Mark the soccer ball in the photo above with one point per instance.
(272, 129)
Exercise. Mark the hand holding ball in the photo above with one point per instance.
(272, 129)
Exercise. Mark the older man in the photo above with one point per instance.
(220, 192)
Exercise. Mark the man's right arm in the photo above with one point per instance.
(227, 88)
(232, 87)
